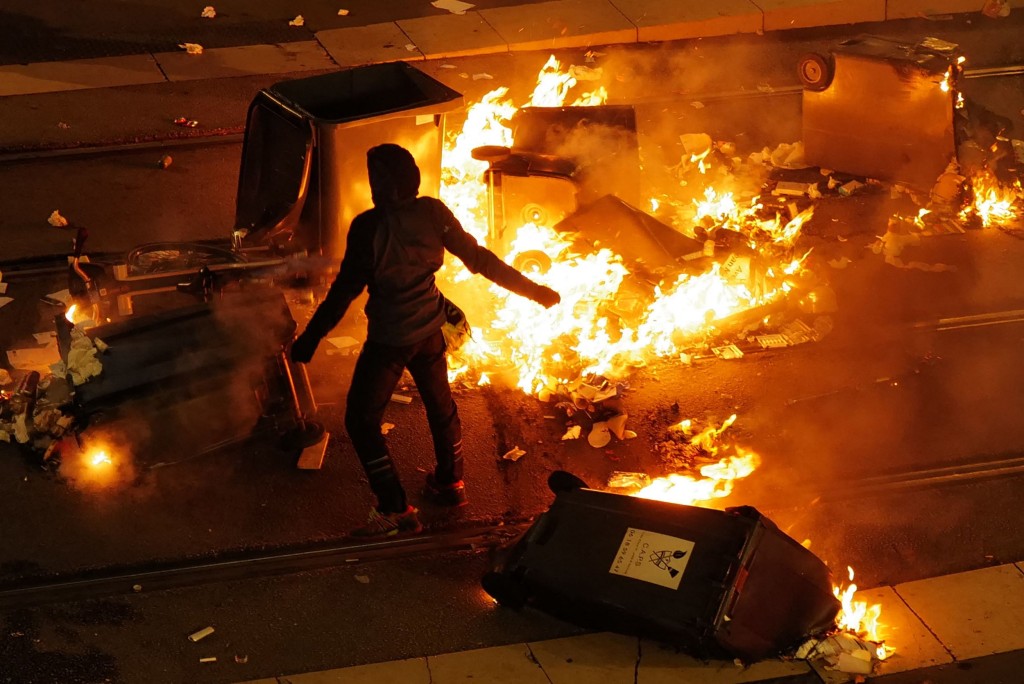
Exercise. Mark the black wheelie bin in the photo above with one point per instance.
(712, 583)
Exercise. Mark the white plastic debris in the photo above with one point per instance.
(453, 6)
(385, 428)
(401, 399)
(56, 220)
(483, 76)
(788, 156)
(585, 73)
(82, 363)
(573, 432)
(513, 454)
(343, 13)
(600, 435)
(728, 352)
(209, 12)
(191, 48)
(297, 21)
(411, 47)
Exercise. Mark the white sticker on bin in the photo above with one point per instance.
(652, 557)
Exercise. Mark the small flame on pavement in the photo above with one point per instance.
(857, 617)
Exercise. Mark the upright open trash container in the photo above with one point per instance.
(883, 109)
(303, 170)
(713, 583)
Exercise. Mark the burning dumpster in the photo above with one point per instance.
(303, 170)
(196, 378)
(714, 583)
(882, 109)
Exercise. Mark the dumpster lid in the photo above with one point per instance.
(365, 92)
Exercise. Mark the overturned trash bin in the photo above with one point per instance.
(303, 169)
(199, 378)
(712, 583)
(883, 109)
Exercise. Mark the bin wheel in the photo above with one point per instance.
(530, 261)
(815, 71)
(505, 590)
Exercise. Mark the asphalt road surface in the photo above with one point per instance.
(893, 444)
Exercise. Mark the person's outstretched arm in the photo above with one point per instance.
(479, 259)
(352, 278)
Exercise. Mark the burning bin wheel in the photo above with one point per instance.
(815, 71)
(532, 261)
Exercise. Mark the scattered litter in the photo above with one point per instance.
(191, 48)
(241, 659)
(136, 588)
(58, 298)
(385, 428)
(297, 21)
(765, 87)
(363, 579)
(208, 12)
(165, 161)
(185, 123)
(840, 263)
(411, 47)
(695, 144)
(617, 425)
(483, 76)
(47, 338)
(453, 6)
(1018, 148)
(5, 378)
(210, 659)
(786, 156)
(401, 399)
(600, 435)
(56, 220)
(848, 189)
(343, 345)
(590, 56)
(514, 454)
(447, 66)
(624, 480)
(63, 126)
(697, 104)
(33, 359)
(463, 74)
(996, 9)
(728, 352)
(585, 73)
(775, 341)
(843, 652)
(201, 634)
(343, 13)
(4, 301)
(792, 189)
(573, 432)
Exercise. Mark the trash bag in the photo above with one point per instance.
(456, 328)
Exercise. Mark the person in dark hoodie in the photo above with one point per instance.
(394, 250)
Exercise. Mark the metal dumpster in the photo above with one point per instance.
(713, 583)
(303, 169)
(882, 109)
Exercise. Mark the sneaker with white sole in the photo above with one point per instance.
(389, 524)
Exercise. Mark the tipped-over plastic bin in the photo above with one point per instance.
(712, 583)
(303, 170)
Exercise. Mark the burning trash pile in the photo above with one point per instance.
(36, 413)
(711, 273)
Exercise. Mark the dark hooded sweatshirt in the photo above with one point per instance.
(394, 250)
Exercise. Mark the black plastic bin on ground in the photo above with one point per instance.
(713, 583)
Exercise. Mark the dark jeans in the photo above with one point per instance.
(377, 372)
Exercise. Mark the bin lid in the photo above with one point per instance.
(931, 54)
(366, 92)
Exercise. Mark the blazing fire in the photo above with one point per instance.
(859, 618)
(587, 332)
(993, 204)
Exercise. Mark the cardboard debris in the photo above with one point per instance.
(33, 358)
(208, 12)
(848, 189)
(625, 480)
(453, 6)
(842, 651)
(728, 352)
(4, 301)
(56, 220)
(191, 48)
(775, 341)
(513, 454)
(297, 21)
(201, 634)
(401, 399)
(792, 189)
(573, 432)
(385, 428)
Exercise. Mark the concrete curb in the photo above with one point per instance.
(544, 26)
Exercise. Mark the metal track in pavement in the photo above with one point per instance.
(152, 577)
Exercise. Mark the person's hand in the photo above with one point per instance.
(546, 297)
(303, 347)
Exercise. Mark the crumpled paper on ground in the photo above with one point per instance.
(191, 48)
(82, 363)
(892, 244)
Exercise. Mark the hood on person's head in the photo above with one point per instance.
(394, 176)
